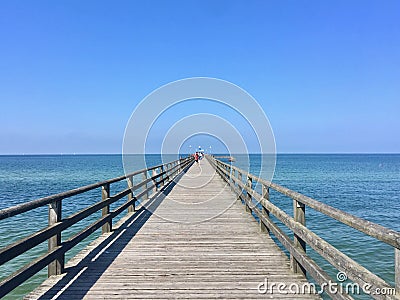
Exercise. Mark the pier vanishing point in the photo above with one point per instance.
(190, 231)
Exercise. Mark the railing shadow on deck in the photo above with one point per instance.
(114, 244)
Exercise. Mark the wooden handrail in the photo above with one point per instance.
(303, 235)
(54, 258)
(374, 230)
(24, 207)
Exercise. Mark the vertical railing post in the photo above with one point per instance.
(144, 177)
(397, 270)
(264, 211)
(225, 168)
(105, 194)
(233, 178)
(240, 179)
(162, 178)
(299, 213)
(249, 184)
(154, 173)
(131, 208)
(229, 174)
(56, 267)
(167, 172)
(235, 174)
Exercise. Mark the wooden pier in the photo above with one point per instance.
(193, 236)
(154, 258)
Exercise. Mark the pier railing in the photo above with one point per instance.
(243, 183)
(151, 179)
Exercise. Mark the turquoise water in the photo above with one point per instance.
(25, 178)
(367, 186)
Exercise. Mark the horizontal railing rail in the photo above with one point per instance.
(54, 257)
(242, 183)
(24, 207)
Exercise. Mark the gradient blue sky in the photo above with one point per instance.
(327, 73)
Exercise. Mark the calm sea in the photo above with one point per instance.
(367, 186)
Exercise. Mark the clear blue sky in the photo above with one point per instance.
(327, 73)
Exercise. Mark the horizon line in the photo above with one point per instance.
(217, 153)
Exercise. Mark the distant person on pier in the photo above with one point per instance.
(200, 157)
(196, 157)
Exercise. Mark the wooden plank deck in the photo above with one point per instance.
(192, 240)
